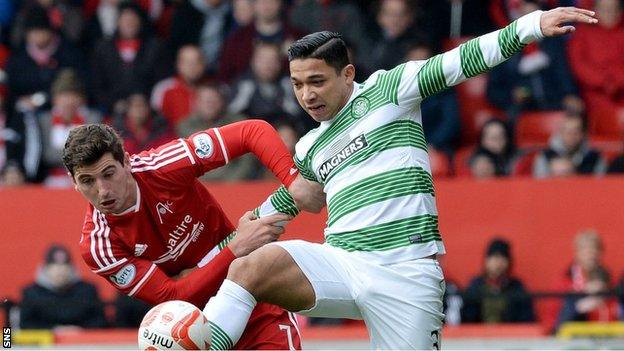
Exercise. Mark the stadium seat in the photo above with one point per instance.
(474, 108)
(535, 128)
(524, 165)
(608, 123)
(608, 147)
(440, 165)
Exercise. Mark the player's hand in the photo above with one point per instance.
(254, 232)
(557, 21)
(308, 196)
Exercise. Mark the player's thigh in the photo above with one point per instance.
(327, 271)
(403, 307)
(271, 275)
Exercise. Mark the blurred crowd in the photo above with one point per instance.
(585, 291)
(160, 69)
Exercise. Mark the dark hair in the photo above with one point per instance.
(86, 144)
(327, 46)
(510, 148)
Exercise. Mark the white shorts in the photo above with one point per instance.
(400, 303)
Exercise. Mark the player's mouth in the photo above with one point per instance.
(107, 203)
(317, 109)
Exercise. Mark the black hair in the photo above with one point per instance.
(327, 46)
(86, 144)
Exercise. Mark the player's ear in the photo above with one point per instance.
(73, 180)
(126, 159)
(349, 73)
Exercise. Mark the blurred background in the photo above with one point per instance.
(528, 158)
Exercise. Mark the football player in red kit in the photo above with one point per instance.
(149, 218)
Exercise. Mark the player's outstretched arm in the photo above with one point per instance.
(478, 55)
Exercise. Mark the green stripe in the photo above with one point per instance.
(387, 236)
(380, 187)
(283, 202)
(509, 41)
(219, 340)
(226, 241)
(431, 77)
(384, 91)
(304, 170)
(472, 61)
(399, 133)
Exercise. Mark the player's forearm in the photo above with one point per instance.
(261, 139)
(196, 288)
(478, 55)
(280, 201)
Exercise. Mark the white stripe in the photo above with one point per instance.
(190, 155)
(148, 168)
(293, 320)
(142, 281)
(451, 67)
(101, 239)
(96, 228)
(488, 44)
(108, 243)
(118, 263)
(209, 256)
(155, 154)
(156, 160)
(225, 154)
(385, 211)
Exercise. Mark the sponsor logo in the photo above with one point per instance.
(360, 107)
(162, 209)
(293, 170)
(139, 249)
(158, 339)
(167, 317)
(124, 276)
(204, 147)
(354, 146)
(180, 238)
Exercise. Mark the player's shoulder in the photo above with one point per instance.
(305, 142)
(99, 246)
(156, 158)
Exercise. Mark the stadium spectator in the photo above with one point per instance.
(341, 16)
(482, 165)
(393, 35)
(243, 13)
(209, 112)
(102, 23)
(440, 112)
(130, 60)
(596, 59)
(537, 79)
(570, 141)
(64, 15)
(141, 128)
(36, 134)
(496, 296)
(205, 23)
(586, 267)
(268, 25)
(68, 110)
(129, 312)
(12, 175)
(593, 305)
(561, 166)
(496, 144)
(617, 165)
(32, 68)
(174, 96)
(58, 297)
(264, 91)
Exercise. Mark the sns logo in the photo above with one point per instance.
(204, 147)
(125, 276)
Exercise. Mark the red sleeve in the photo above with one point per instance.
(182, 160)
(143, 279)
(260, 138)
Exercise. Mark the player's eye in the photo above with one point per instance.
(108, 174)
(87, 181)
(297, 85)
(317, 83)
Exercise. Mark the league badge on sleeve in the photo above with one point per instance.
(124, 276)
(204, 147)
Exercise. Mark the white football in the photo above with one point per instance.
(174, 325)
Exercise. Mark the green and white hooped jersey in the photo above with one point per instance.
(372, 157)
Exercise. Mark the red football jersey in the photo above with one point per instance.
(173, 226)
